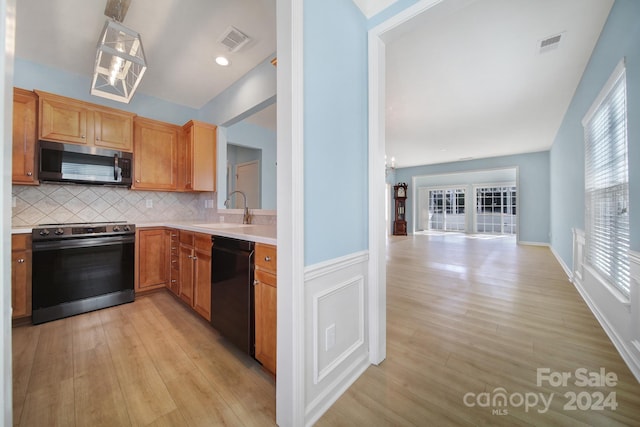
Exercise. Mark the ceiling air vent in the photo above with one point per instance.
(233, 39)
(550, 43)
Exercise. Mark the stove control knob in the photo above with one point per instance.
(58, 232)
(116, 228)
(44, 232)
(127, 228)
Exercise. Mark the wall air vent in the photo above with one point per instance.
(233, 39)
(550, 43)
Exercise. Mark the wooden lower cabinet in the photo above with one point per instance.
(194, 256)
(21, 275)
(152, 258)
(266, 306)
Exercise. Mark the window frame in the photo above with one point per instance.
(616, 283)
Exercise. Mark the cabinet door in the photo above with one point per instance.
(202, 283)
(266, 319)
(113, 130)
(153, 259)
(156, 155)
(24, 137)
(63, 120)
(199, 163)
(21, 275)
(186, 273)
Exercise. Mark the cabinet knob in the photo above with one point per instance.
(83, 137)
(97, 139)
(20, 260)
(174, 281)
(174, 260)
(137, 180)
(256, 283)
(29, 173)
(267, 258)
(194, 258)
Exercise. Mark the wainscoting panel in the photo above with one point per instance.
(336, 330)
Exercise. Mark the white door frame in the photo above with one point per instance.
(377, 301)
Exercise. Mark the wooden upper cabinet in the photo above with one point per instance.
(198, 162)
(113, 130)
(73, 121)
(25, 110)
(155, 162)
(62, 119)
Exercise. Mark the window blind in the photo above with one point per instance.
(607, 184)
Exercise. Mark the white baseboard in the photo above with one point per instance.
(564, 266)
(520, 242)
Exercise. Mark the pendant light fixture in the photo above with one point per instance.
(120, 61)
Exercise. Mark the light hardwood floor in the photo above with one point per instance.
(469, 316)
(148, 363)
(463, 316)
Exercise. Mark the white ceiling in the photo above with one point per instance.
(466, 79)
(179, 38)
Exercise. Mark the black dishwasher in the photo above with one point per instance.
(232, 301)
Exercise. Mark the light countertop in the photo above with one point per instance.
(257, 233)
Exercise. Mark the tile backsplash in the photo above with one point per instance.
(55, 203)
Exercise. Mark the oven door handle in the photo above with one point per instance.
(82, 242)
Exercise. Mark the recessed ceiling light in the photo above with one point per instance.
(222, 61)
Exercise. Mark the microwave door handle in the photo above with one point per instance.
(115, 167)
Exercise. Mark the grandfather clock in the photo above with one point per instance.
(399, 222)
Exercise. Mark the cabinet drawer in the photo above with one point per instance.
(20, 242)
(186, 238)
(266, 257)
(266, 278)
(203, 242)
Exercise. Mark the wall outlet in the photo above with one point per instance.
(149, 203)
(208, 204)
(330, 337)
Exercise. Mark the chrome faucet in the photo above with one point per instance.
(246, 218)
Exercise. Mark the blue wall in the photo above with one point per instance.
(620, 38)
(335, 130)
(30, 75)
(533, 170)
(249, 135)
(249, 94)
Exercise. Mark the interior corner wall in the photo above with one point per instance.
(620, 38)
(533, 191)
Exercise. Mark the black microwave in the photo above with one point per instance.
(84, 165)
